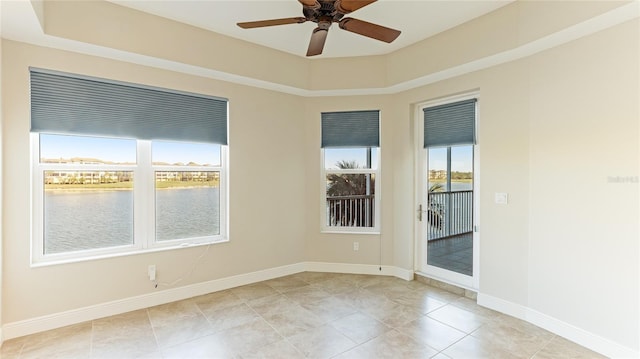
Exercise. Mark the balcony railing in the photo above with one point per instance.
(449, 214)
(350, 211)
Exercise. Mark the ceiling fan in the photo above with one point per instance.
(326, 12)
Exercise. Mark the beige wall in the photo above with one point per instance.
(338, 248)
(106, 24)
(583, 109)
(266, 229)
(1, 206)
(553, 128)
(503, 30)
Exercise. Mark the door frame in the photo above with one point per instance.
(420, 198)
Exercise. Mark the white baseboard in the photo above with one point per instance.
(58, 320)
(75, 316)
(405, 274)
(502, 306)
(372, 269)
(586, 339)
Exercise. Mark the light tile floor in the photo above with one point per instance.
(314, 315)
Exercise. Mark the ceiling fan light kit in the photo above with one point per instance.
(326, 12)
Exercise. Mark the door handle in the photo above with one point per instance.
(420, 212)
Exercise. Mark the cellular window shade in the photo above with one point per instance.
(64, 103)
(351, 129)
(450, 124)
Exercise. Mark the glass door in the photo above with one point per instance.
(447, 242)
(449, 209)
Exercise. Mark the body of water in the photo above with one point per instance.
(461, 186)
(80, 220)
(455, 186)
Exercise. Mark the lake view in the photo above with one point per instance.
(80, 220)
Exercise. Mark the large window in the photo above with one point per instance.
(350, 175)
(111, 179)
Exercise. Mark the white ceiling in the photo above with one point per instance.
(417, 19)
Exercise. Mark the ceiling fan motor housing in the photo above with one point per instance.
(323, 10)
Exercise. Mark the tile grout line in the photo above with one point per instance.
(461, 339)
(269, 324)
(455, 342)
(93, 325)
(544, 346)
(449, 325)
(445, 303)
(22, 345)
(153, 331)
(328, 323)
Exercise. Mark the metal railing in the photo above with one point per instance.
(449, 214)
(350, 211)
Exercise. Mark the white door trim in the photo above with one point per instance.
(420, 166)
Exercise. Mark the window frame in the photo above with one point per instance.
(375, 170)
(144, 211)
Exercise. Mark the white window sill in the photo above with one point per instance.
(347, 231)
(120, 253)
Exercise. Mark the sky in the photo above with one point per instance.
(175, 152)
(124, 150)
(334, 155)
(461, 158)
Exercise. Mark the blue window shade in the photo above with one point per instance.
(450, 124)
(351, 129)
(64, 103)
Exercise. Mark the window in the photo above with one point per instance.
(86, 187)
(116, 181)
(350, 171)
(187, 190)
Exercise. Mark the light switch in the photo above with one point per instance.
(501, 198)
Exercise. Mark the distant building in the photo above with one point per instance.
(437, 174)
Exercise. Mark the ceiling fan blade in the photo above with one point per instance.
(274, 22)
(347, 6)
(317, 41)
(368, 29)
(310, 3)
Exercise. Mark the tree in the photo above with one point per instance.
(435, 210)
(345, 189)
(436, 187)
(348, 184)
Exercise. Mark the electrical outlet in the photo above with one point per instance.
(151, 270)
(356, 246)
